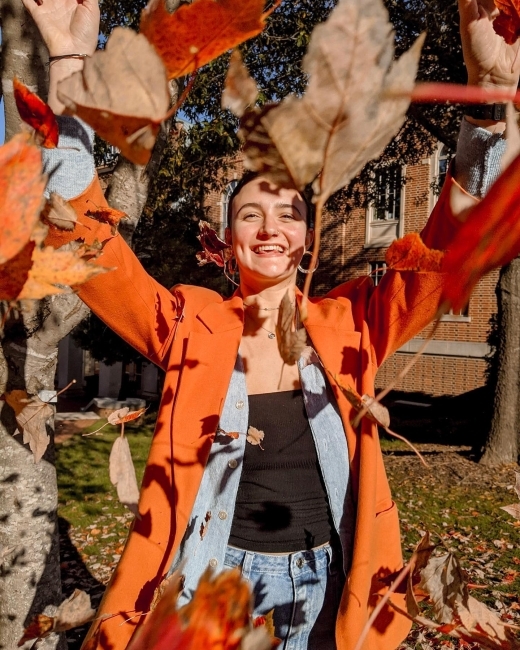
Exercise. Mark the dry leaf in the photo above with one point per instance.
(199, 32)
(514, 509)
(59, 212)
(290, 343)
(343, 120)
(122, 93)
(122, 474)
(21, 194)
(267, 623)
(213, 248)
(204, 525)
(35, 112)
(443, 580)
(172, 584)
(507, 23)
(410, 254)
(255, 436)
(240, 90)
(258, 639)
(31, 415)
(14, 273)
(73, 612)
(230, 434)
(115, 415)
(107, 215)
(375, 411)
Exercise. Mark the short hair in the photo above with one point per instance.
(250, 176)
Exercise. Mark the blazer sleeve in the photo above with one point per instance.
(126, 298)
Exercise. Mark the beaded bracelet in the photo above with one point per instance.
(52, 59)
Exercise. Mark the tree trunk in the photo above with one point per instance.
(502, 444)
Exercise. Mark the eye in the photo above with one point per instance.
(250, 216)
(288, 216)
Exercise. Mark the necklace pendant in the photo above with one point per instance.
(271, 335)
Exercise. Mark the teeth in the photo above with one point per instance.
(269, 248)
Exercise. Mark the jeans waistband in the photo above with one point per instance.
(264, 562)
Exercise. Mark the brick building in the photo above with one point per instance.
(355, 244)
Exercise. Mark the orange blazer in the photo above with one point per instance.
(193, 334)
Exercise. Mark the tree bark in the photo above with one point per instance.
(502, 444)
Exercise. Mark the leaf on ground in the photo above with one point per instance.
(240, 90)
(507, 23)
(21, 194)
(31, 415)
(291, 343)
(411, 254)
(343, 119)
(37, 114)
(122, 93)
(197, 33)
(514, 509)
(124, 415)
(122, 474)
(53, 267)
(59, 212)
(213, 248)
(255, 436)
(73, 612)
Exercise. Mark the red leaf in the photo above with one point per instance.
(507, 24)
(410, 254)
(214, 249)
(201, 31)
(35, 112)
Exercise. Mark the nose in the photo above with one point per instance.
(269, 228)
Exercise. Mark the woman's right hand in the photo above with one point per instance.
(66, 26)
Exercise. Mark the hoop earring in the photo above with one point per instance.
(229, 271)
(307, 271)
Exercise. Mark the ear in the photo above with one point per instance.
(227, 236)
(309, 238)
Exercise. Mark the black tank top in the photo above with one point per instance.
(281, 504)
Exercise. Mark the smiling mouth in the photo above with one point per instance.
(269, 248)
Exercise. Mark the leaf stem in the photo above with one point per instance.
(314, 259)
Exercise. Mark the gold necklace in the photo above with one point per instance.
(262, 308)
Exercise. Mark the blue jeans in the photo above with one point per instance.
(304, 590)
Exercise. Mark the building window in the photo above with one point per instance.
(460, 316)
(384, 216)
(377, 270)
(224, 203)
(440, 164)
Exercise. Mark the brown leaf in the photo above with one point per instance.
(514, 509)
(290, 343)
(31, 415)
(230, 434)
(172, 583)
(122, 474)
(107, 215)
(443, 580)
(113, 418)
(73, 612)
(204, 525)
(59, 213)
(343, 121)
(240, 90)
(255, 436)
(375, 410)
(122, 93)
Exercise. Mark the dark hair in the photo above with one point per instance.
(248, 177)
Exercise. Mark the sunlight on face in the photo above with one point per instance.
(269, 232)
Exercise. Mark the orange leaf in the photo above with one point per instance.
(507, 23)
(59, 212)
(21, 194)
(107, 215)
(197, 33)
(37, 114)
(122, 92)
(14, 273)
(489, 238)
(410, 254)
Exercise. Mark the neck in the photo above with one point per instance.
(266, 297)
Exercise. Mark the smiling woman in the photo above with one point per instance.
(255, 463)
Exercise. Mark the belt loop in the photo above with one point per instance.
(247, 564)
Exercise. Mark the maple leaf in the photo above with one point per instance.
(21, 194)
(255, 436)
(31, 415)
(240, 89)
(197, 33)
(507, 23)
(122, 474)
(213, 248)
(73, 612)
(59, 212)
(514, 509)
(291, 343)
(37, 114)
(410, 254)
(122, 93)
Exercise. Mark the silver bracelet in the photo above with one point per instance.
(52, 59)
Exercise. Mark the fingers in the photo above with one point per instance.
(31, 5)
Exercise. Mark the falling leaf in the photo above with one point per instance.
(230, 434)
(124, 415)
(375, 411)
(514, 509)
(342, 120)
(204, 525)
(172, 583)
(107, 215)
(507, 23)
(21, 194)
(410, 254)
(73, 612)
(122, 474)
(14, 273)
(197, 33)
(31, 415)
(122, 93)
(255, 436)
(37, 114)
(213, 248)
(59, 213)
(291, 343)
(240, 90)
(267, 622)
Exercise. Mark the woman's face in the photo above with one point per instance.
(269, 232)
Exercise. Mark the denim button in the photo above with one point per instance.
(300, 562)
(222, 514)
(233, 463)
(239, 404)
(213, 562)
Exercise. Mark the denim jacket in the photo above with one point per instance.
(204, 543)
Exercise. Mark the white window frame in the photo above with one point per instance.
(391, 229)
(224, 202)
